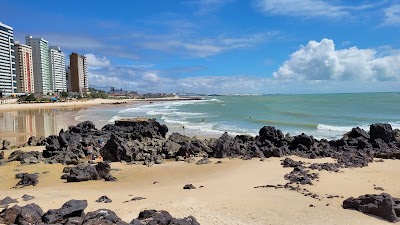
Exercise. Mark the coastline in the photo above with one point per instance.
(82, 103)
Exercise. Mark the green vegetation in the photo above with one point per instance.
(94, 93)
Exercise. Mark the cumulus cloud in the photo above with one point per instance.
(303, 8)
(322, 61)
(150, 76)
(392, 15)
(97, 62)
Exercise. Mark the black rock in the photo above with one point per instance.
(1, 155)
(382, 205)
(72, 208)
(27, 180)
(27, 197)
(6, 201)
(102, 216)
(381, 131)
(104, 199)
(288, 162)
(189, 186)
(204, 160)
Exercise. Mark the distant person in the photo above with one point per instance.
(202, 120)
(89, 152)
(183, 127)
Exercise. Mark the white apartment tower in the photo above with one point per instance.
(24, 66)
(78, 73)
(41, 72)
(8, 79)
(57, 69)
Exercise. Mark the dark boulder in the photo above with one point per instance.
(288, 162)
(104, 199)
(271, 134)
(29, 214)
(83, 127)
(226, 146)
(154, 217)
(102, 216)
(1, 155)
(189, 186)
(382, 205)
(26, 197)
(381, 131)
(85, 172)
(356, 133)
(10, 215)
(118, 149)
(36, 141)
(301, 176)
(72, 208)
(6, 201)
(27, 180)
(302, 142)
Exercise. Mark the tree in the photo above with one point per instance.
(30, 98)
(64, 94)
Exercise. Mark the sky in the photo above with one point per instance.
(223, 46)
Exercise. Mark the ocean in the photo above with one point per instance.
(326, 116)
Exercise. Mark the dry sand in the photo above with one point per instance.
(228, 195)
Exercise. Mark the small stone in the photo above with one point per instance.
(189, 186)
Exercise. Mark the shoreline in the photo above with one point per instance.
(25, 106)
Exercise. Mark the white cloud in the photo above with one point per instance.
(392, 15)
(200, 47)
(303, 8)
(150, 76)
(95, 62)
(321, 61)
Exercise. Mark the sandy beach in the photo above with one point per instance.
(18, 122)
(228, 195)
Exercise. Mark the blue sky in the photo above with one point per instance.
(223, 46)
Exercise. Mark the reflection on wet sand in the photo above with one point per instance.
(18, 126)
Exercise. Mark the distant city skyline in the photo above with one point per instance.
(223, 46)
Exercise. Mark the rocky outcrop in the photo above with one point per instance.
(382, 205)
(85, 172)
(104, 199)
(72, 208)
(72, 213)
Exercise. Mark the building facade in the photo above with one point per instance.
(41, 68)
(24, 68)
(58, 78)
(8, 79)
(78, 74)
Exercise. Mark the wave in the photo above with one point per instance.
(344, 129)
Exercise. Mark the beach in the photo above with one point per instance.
(225, 192)
(228, 195)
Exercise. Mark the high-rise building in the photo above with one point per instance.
(78, 73)
(57, 69)
(24, 69)
(8, 79)
(41, 69)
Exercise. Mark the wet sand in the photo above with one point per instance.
(228, 195)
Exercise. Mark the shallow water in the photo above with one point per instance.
(323, 116)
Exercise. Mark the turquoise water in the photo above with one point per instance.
(323, 116)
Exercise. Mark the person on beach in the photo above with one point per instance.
(89, 152)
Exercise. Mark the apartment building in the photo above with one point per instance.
(78, 73)
(58, 78)
(41, 68)
(8, 79)
(24, 68)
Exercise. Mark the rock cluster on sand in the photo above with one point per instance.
(72, 212)
(26, 179)
(382, 205)
(142, 141)
(85, 172)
